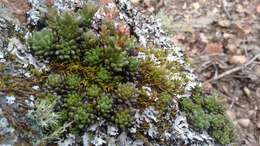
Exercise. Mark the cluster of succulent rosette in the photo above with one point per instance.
(107, 76)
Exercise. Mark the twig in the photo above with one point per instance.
(225, 9)
(234, 69)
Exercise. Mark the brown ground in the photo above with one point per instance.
(221, 37)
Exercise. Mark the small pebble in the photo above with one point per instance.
(244, 122)
(258, 125)
(10, 99)
(238, 59)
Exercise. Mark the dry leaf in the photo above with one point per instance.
(135, 2)
(243, 29)
(214, 48)
(3, 1)
(123, 29)
(238, 59)
(49, 3)
(258, 8)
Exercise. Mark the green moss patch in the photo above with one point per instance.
(206, 113)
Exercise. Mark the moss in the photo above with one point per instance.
(164, 100)
(212, 105)
(186, 105)
(221, 129)
(206, 113)
(2, 84)
(200, 119)
(123, 118)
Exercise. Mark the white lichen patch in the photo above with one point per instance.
(182, 130)
(18, 49)
(10, 100)
(69, 141)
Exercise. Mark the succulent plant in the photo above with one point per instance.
(66, 50)
(118, 61)
(93, 56)
(133, 64)
(125, 91)
(123, 118)
(104, 104)
(54, 80)
(103, 75)
(186, 105)
(83, 115)
(42, 43)
(87, 14)
(93, 90)
(90, 40)
(73, 100)
(73, 80)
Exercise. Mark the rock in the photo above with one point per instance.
(243, 29)
(196, 5)
(258, 92)
(244, 122)
(258, 124)
(257, 70)
(239, 8)
(203, 38)
(238, 59)
(224, 23)
(231, 47)
(247, 91)
(1, 55)
(251, 113)
(135, 2)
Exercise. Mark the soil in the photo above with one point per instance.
(222, 39)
